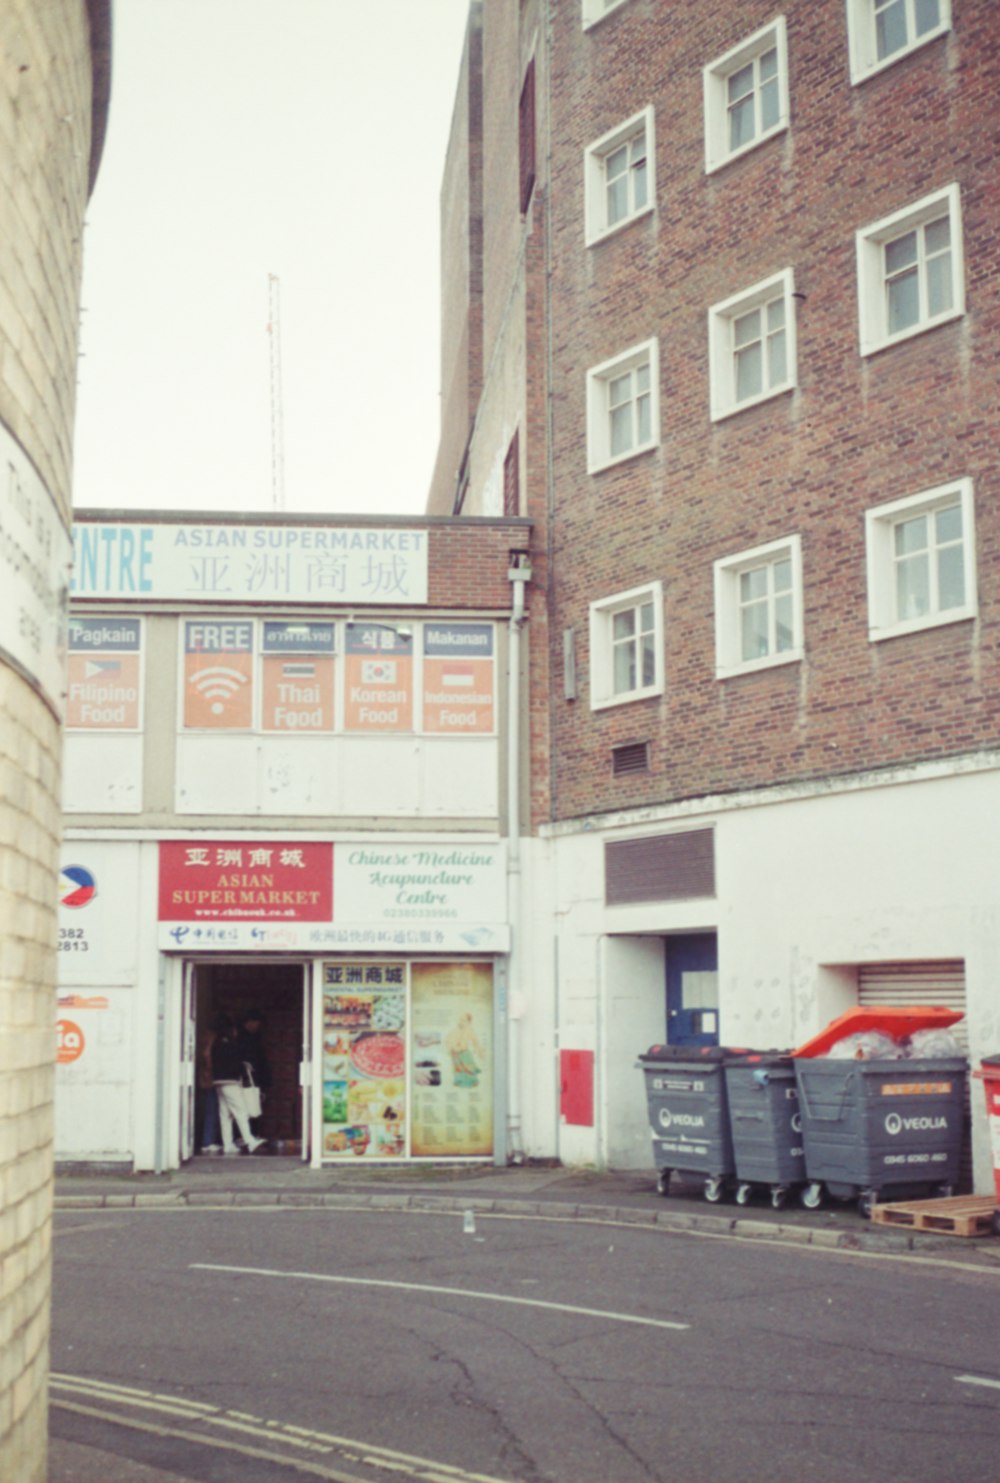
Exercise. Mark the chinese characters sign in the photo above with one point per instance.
(245, 882)
(257, 563)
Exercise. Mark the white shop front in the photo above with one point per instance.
(378, 967)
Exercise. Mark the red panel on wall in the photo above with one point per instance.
(576, 1087)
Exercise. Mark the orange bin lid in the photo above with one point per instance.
(895, 1021)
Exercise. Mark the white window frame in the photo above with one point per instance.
(871, 241)
(880, 522)
(602, 615)
(595, 161)
(862, 40)
(716, 75)
(599, 381)
(727, 573)
(594, 11)
(722, 350)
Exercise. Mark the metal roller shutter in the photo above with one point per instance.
(940, 982)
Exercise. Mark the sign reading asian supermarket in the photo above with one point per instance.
(249, 563)
(289, 895)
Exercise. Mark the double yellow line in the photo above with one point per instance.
(93, 1398)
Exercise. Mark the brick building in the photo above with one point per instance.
(722, 318)
(53, 106)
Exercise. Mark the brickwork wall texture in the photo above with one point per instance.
(461, 273)
(45, 144)
(855, 433)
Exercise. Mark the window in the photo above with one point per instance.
(596, 10)
(623, 407)
(619, 176)
(758, 608)
(751, 345)
(921, 561)
(626, 646)
(910, 271)
(882, 31)
(746, 95)
(526, 136)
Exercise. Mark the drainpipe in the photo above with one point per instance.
(519, 575)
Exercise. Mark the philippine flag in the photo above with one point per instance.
(77, 886)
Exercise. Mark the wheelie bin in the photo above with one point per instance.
(689, 1115)
(880, 1127)
(989, 1075)
(765, 1124)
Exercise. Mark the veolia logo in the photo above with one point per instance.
(670, 1119)
(895, 1124)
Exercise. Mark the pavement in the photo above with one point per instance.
(537, 1190)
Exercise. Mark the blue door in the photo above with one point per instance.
(693, 989)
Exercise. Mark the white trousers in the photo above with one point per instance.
(233, 1108)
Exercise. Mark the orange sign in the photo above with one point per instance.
(70, 1043)
(218, 675)
(458, 678)
(297, 693)
(103, 691)
(379, 679)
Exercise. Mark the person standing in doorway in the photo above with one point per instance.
(227, 1078)
(211, 1132)
(250, 1042)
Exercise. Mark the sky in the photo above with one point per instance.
(299, 139)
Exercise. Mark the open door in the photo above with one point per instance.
(306, 1064)
(189, 1062)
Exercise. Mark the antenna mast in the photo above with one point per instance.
(277, 415)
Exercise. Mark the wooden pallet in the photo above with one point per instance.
(964, 1215)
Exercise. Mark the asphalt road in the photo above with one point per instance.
(269, 1345)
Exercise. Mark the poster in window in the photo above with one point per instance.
(103, 674)
(379, 678)
(218, 675)
(458, 678)
(451, 1060)
(297, 678)
(364, 1068)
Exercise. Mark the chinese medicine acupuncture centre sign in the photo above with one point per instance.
(289, 895)
(249, 563)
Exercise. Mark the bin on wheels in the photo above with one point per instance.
(765, 1124)
(873, 1127)
(989, 1075)
(688, 1115)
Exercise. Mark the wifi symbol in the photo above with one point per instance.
(217, 684)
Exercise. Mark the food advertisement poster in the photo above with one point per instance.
(364, 1060)
(451, 1056)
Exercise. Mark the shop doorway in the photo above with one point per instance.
(275, 993)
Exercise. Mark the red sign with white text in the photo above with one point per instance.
(222, 880)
